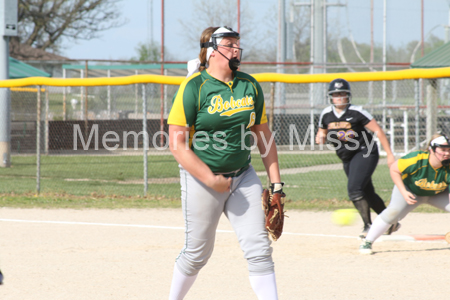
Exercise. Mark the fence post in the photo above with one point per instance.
(394, 90)
(312, 106)
(64, 98)
(144, 129)
(311, 116)
(431, 108)
(165, 97)
(108, 93)
(86, 109)
(162, 100)
(136, 96)
(46, 122)
(38, 141)
(271, 114)
(81, 97)
(405, 130)
(384, 106)
(272, 93)
(391, 131)
(417, 110)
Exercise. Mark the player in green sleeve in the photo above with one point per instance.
(419, 177)
(215, 111)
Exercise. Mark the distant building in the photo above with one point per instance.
(38, 58)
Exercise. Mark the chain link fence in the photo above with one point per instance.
(112, 140)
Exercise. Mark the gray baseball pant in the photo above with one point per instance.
(202, 208)
(398, 208)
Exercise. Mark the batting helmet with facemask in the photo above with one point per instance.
(339, 85)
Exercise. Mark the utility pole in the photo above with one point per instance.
(383, 122)
(150, 22)
(281, 53)
(447, 36)
(318, 50)
(8, 27)
(319, 43)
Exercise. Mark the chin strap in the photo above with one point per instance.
(233, 63)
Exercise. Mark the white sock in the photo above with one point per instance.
(265, 286)
(377, 229)
(180, 284)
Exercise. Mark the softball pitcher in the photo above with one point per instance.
(214, 113)
(344, 125)
(419, 177)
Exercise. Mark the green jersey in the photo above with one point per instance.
(220, 115)
(420, 177)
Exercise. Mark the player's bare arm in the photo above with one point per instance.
(321, 136)
(192, 163)
(271, 159)
(396, 176)
(375, 128)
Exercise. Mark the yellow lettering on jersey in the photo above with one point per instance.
(234, 111)
(216, 104)
(232, 102)
(252, 120)
(431, 186)
(230, 107)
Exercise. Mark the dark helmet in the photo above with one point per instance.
(339, 85)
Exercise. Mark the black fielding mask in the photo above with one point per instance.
(234, 64)
(445, 162)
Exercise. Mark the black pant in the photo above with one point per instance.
(359, 170)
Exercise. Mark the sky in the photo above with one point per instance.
(403, 24)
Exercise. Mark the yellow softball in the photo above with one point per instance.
(344, 217)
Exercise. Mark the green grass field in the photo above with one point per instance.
(116, 182)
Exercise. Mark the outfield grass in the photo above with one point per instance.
(115, 176)
(116, 182)
(82, 175)
(288, 161)
(330, 185)
(93, 167)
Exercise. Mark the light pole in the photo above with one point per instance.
(318, 55)
(8, 27)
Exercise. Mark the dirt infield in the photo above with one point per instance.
(129, 254)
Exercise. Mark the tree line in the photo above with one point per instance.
(53, 25)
